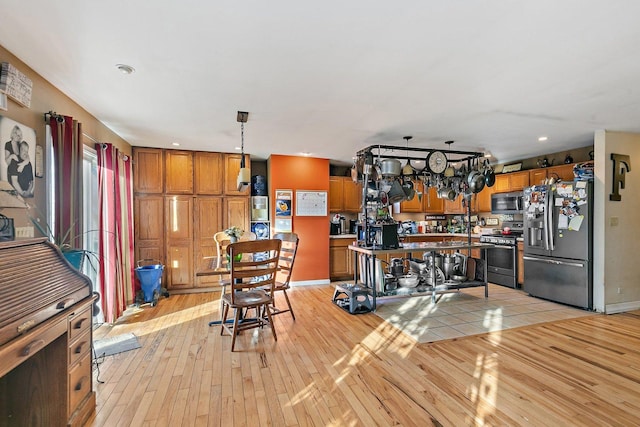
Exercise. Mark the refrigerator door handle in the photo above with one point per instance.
(554, 261)
(546, 220)
(552, 242)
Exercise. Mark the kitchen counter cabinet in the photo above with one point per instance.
(340, 259)
(521, 264)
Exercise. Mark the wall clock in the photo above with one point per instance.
(437, 162)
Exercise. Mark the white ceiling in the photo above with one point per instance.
(331, 77)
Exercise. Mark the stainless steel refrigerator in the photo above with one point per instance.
(558, 235)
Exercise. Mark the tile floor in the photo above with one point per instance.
(467, 312)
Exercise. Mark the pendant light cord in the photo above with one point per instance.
(242, 145)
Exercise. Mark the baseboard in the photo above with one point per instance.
(310, 282)
(621, 307)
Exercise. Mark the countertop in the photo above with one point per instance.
(353, 236)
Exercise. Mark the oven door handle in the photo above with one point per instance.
(503, 247)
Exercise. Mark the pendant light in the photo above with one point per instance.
(244, 176)
(407, 169)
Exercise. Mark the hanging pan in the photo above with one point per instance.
(489, 174)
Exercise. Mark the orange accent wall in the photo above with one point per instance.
(303, 173)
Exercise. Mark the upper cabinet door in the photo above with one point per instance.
(231, 170)
(432, 203)
(352, 194)
(209, 171)
(336, 188)
(148, 170)
(179, 172)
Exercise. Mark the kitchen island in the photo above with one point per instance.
(369, 280)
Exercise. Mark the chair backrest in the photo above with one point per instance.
(248, 271)
(287, 256)
(222, 240)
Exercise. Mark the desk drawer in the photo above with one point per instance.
(79, 347)
(79, 323)
(79, 382)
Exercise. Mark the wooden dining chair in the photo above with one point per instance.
(222, 240)
(252, 282)
(285, 267)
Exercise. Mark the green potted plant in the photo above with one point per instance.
(68, 245)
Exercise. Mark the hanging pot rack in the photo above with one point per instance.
(412, 153)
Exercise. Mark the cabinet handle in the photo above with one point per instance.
(80, 383)
(35, 343)
(78, 324)
(65, 303)
(79, 347)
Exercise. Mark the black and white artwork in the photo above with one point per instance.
(17, 163)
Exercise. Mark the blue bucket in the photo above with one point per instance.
(150, 277)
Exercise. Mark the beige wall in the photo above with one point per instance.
(616, 276)
(45, 98)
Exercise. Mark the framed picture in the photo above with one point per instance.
(284, 203)
(17, 162)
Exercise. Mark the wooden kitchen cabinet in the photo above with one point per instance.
(178, 172)
(177, 215)
(340, 259)
(236, 212)
(207, 222)
(179, 241)
(232, 164)
(148, 170)
(537, 176)
(564, 172)
(208, 173)
(514, 181)
(454, 206)
(521, 263)
(352, 195)
(148, 217)
(344, 194)
(483, 199)
(431, 202)
(336, 201)
(414, 205)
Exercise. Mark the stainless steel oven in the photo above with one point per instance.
(502, 260)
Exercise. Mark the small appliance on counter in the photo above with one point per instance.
(408, 227)
(380, 235)
(334, 229)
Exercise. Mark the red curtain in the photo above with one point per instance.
(115, 194)
(67, 147)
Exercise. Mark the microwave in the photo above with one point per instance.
(507, 203)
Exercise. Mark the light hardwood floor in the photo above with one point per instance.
(330, 368)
